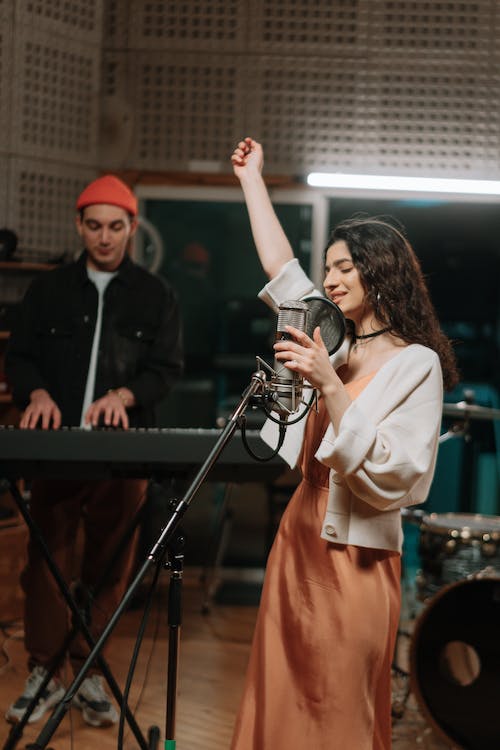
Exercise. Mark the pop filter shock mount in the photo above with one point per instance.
(330, 319)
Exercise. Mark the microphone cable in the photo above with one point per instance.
(251, 452)
(135, 654)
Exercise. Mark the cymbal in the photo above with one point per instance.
(463, 410)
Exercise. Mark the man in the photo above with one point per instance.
(97, 343)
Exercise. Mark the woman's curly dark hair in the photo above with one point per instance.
(395, 286)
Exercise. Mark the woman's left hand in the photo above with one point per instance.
(309, 357)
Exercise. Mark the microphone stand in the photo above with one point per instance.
(458, 429)
(257, 388)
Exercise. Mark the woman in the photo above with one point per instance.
(320, 667)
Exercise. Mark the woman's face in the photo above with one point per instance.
(342, 282)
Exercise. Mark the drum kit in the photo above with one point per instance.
(454, 653)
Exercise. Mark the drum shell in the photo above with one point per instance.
(454, 546)
(467, 612)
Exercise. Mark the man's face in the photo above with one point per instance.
(105, 231)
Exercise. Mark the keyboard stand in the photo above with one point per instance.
(79, 623)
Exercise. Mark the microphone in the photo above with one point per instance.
(287, 385)
(306, 314)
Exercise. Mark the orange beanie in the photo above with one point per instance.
(108, 189)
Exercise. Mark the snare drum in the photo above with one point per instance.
(454, 546)
(455, 663)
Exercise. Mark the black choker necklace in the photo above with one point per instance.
(370, 335)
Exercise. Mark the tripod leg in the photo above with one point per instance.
(153, 738)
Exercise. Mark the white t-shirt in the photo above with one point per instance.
(101, 280)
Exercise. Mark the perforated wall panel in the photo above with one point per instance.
(4, 186)
(422, 90)
(6, 43)
(42, 200)
(432, 119)
(116, 23)
(186, 109)
(405, 86)
(305, 116)
(55, 104)
(430, 86)
(218, 25)
(455, 29)
(315, 27)
(429, 120)
(79, 19)
(118, 112)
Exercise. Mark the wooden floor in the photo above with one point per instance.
(212, 660)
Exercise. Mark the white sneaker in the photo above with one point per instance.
(50, 696)
(93, 701)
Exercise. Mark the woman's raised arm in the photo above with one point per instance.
(270, 240)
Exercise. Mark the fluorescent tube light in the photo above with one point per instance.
(410, 184)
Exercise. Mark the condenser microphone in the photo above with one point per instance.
(305, 315)
(286, 385)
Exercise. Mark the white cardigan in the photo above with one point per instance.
(384, 454)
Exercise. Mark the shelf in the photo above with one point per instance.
(4, 335)
(5, 398)
(6, 265)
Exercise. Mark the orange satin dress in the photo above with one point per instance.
(319, 675)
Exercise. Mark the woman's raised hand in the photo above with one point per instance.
(247, 157)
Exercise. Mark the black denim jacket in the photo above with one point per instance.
(140, 345)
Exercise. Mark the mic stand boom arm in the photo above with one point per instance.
(155, 556)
